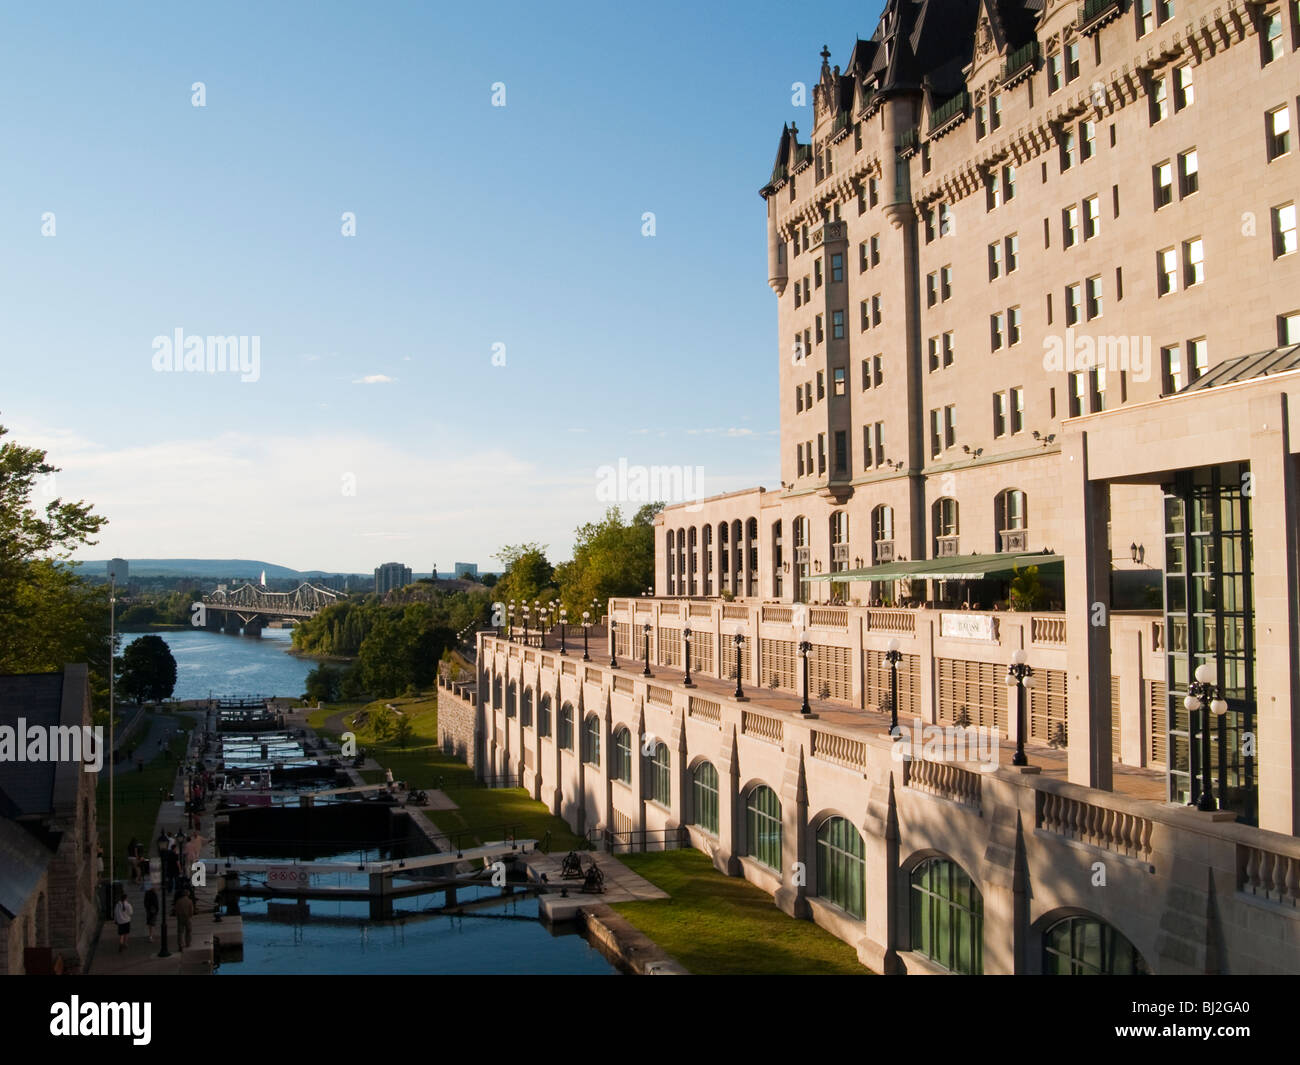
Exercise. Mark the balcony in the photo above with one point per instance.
(1096, 13)
(843, 123)
(1020, 64)
(950, 114)
(908, 142)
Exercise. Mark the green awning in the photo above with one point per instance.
(955, 568)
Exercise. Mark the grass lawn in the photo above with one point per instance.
(723, 925)
(422, 764)
(137, 797)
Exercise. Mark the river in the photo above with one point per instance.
(216, 663)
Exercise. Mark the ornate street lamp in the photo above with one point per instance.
(613, 661)
(1203, 694)
(686, 638)
(893, 656)
(527, 618)
(805, 649)
(740, 642)
(564, 620)
(510, 621)
(542, 623)
(586, 624)
(1020, 677)
(646, 672)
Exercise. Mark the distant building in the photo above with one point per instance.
(119, 570)
(48, 833)
(391, 576)
(467, 569)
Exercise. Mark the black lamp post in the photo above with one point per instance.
(163, 952)
(805, 649)
(1203, 694)
(510, 621)
(740, 641)
(686, 638)
(893, 656)
(1020, 677)
(586, 624)
(543, 622)
(564, 620)
(613, 661)
(527, 619)
(646, 672)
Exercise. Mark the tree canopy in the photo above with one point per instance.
(148, 670)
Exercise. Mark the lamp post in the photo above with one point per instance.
(564, 620)
(646, 672)
(526, 621)
(805, 649)
(1203, 694)
(740, 642)
(510, 621)
(1020, 677)
(686, 638)
(543, 622)
(163, 952)
(613, 660)
(586, 624)
(893, 656)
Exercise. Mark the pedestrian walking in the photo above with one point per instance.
(151, 903)
(184, 910)
(122, 914)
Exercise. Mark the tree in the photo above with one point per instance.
(324, 684)
(528, 575)
(610, 558)
(403, 731)
(148, 670)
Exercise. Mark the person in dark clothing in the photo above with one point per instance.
(151, 905)
(171, 867)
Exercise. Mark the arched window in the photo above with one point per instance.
(661, 788)
(620, 755)
(947, 916)
(591, 740)
(801, 555)
(1087, 946)
(511, 699)
(497, 701)
(763, 826)
(1011, 518)
(882, 534)
(681, 561)
(841, 875)
(944, 520)
(693, 539)
(737, 556)
(704, 797)
(544, 716)
(778, 559)
(670, 555)
(839, 530)
(708, 560)
(751, 547)
(564, 735)
(526, 709)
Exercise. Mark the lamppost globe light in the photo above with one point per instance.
(586, 615)
(1205, 673)
(1219, 707)
(1030, 681)
(1019, 657)
(1011, 680)
(1190, 703)
(892, 645)
(687, 632)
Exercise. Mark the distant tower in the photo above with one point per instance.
(119, 571)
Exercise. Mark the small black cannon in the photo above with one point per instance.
(571, 866)
(594, 882)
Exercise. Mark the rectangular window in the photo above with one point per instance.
(866, 317)
(1171, 369)
(817, 274)
(821, 334)
(1145, 17)
(1288, 328)
(1087, 140)
(1279, 133)
(1097, 383)
(821, 385)
(1193, 262)
(807, 291)
(799, 456)
(947, 349)
(1284, 230)
(857, 136)
(873, 191)
(841, 451)
(1071, 61)
(1017, 410)
(993, 191)
(821, 453)
(875, 310)
(1073, 303)
(862, 200)
(1069, 149)
(863, 262)
(945, 283)
(877, 362)
(868, 453)
(933, 346)
(950, 426)
(838, 378)
(1159, 100)
(880, 443)
(866, 374)
(1078, 394)
(837, 267)
(1094, 308)
(875, 251)
(1189, 173)
(1167, 271)
(1008, 183)
(995, 111)
(798, 400)
(995, 260)
(1163, 173)
(1013, 252)
(1184, 94)
(931, 289)
(1070, 226)
(837, 325)
(936, 433)
(1198, 359)
(981, 122)
(997, 330)
(1053, 73)
(1013, 326)
(945, 219)
(1271, 38)
(999, 414)
(1091, 217)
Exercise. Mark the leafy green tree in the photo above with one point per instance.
(324, 684)
(610, 558)
(403, 731)
(148, 671)
(141, 616)
(528, 575)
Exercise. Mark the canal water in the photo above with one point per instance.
(337, 937)
(217, 663)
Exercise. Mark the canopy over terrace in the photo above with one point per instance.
(957, 568)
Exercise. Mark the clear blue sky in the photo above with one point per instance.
(475, 225)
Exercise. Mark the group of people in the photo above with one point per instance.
(183, 908)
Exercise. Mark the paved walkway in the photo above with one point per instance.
(621, 884)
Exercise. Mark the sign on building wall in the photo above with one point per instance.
(968, 626)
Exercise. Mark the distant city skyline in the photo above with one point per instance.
(528, 291)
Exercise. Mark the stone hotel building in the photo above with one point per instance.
(1039, 333)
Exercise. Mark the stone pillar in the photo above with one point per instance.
(1087, 585)
(791, 896)
(678, 781)
(878, 949)
(1274, 520)
(730, 805)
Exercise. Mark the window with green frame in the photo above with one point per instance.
(526, 709)
(591, 740)
(511, 697)
(841, 875)
(763, 826)
(661, 787)
(704, 796)
(1088, 946)
(620, 755)
(544, 716)
(947, 916)
(565, 733)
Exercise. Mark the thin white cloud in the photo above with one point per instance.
(375, 379)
